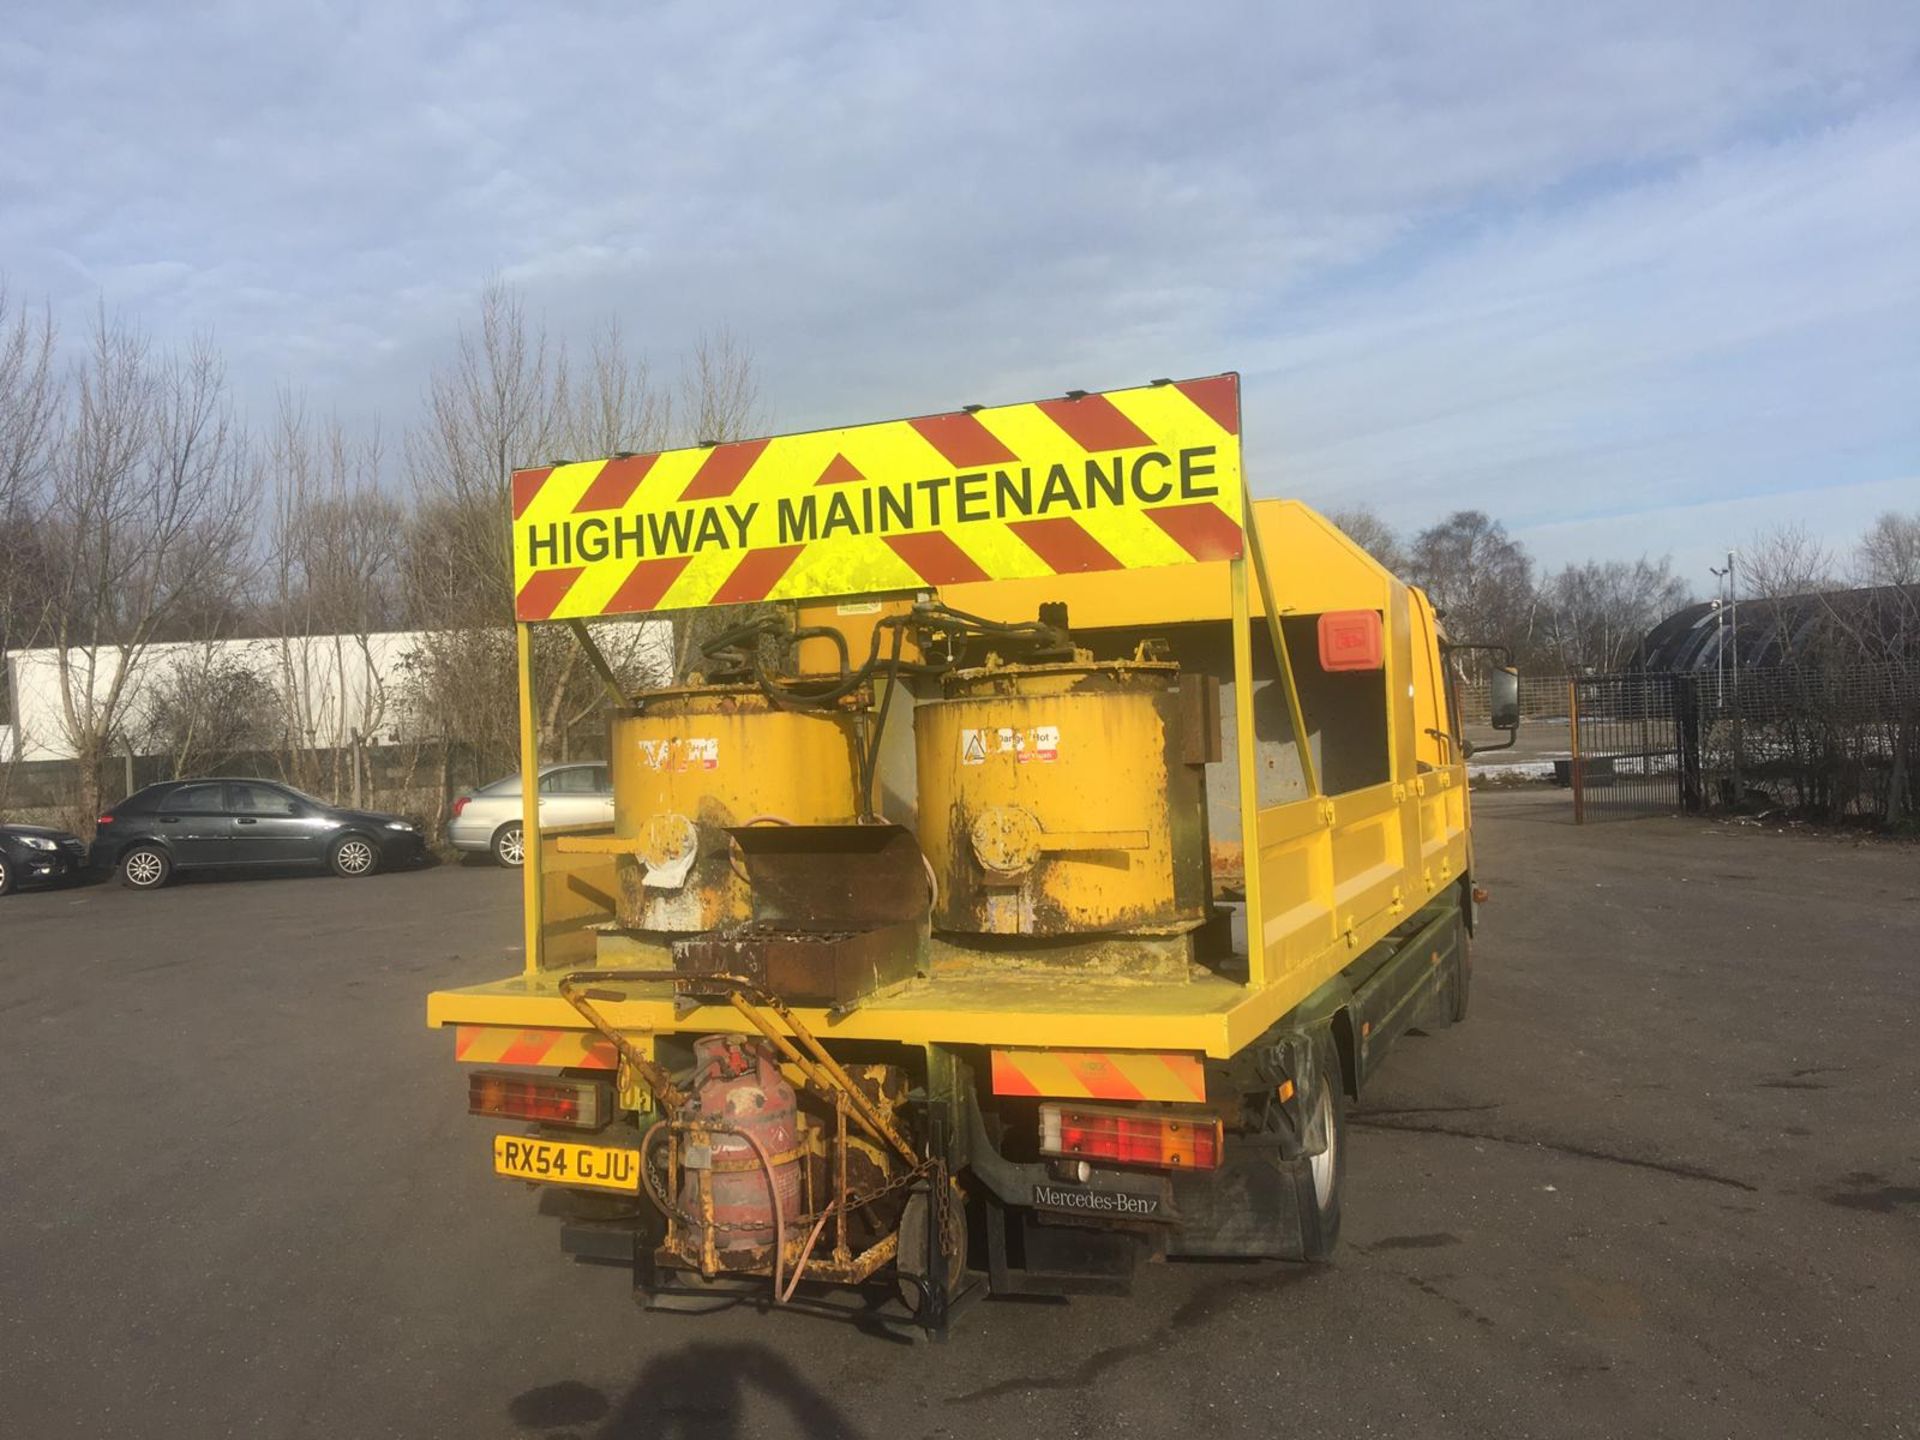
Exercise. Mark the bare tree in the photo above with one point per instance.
(1889, 553)
(509, 399)
(29, 404)
(151, 504)
(498, 404)
(204, 707)
(1594, 615)
(1362, 524)
(1480, 577)
(720, 391)
(1786, 560)
(616, 408)
(337, 577)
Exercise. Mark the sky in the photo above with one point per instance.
(1633, 278)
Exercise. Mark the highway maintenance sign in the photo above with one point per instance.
(1118, 480)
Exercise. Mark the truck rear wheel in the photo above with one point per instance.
(916, 1266)
(1319, 1179)
(1462, 977)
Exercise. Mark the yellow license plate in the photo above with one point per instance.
(560, 1162)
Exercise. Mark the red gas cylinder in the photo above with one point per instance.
(737, 1082)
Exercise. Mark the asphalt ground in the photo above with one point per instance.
(1665, 1181)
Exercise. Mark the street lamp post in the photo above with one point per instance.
(1730, 622)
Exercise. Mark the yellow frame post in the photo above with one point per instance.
(1282, 657)
(1246, 756)
(530, 873)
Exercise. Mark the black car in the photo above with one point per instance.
(222, 824)
(33, 854)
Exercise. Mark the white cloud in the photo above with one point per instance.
(1739, 325)
(1555, 261)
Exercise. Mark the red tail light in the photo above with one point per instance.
(104, 820)
(578, 1104)
(460, 805)
(1131, 1137)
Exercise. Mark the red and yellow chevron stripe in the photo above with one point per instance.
(1125, 479)
(1100, 1075)
(511, 1045)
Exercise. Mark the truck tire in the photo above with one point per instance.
(1462, 978)
(911, 1261)
(1320, 1179)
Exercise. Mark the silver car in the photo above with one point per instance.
(490, 818)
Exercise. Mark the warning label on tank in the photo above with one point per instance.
(691, 752)
(1034, 743)
(1043, 744)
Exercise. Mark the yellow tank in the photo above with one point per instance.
(1060, 799)
(687, 764)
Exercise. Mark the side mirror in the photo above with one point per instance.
(1503, 693)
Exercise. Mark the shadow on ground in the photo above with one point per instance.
(698, 1392)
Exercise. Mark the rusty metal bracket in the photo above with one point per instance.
(608, 679)
(820, 1068)
(670, 1095)
(874, 1120)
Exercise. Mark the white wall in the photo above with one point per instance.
(340, 684)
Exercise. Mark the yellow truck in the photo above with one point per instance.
(1018, 891)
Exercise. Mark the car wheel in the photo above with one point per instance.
(6, 877)
(509, 846)
(354, 856)
(145, 867)
(1319, 1179)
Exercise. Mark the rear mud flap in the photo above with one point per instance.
(1247, 1209)
(1031, 1255)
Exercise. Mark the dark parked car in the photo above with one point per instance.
(33, 854)
(220, 824)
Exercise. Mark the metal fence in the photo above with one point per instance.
(1832, 744)
(1630, 744)
(1542, 697)
(1835, 744)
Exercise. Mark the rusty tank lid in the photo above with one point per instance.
(1083, 673)
(730, 699)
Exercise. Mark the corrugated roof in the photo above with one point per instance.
(1785, 630)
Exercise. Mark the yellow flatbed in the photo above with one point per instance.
(1207, 1012)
